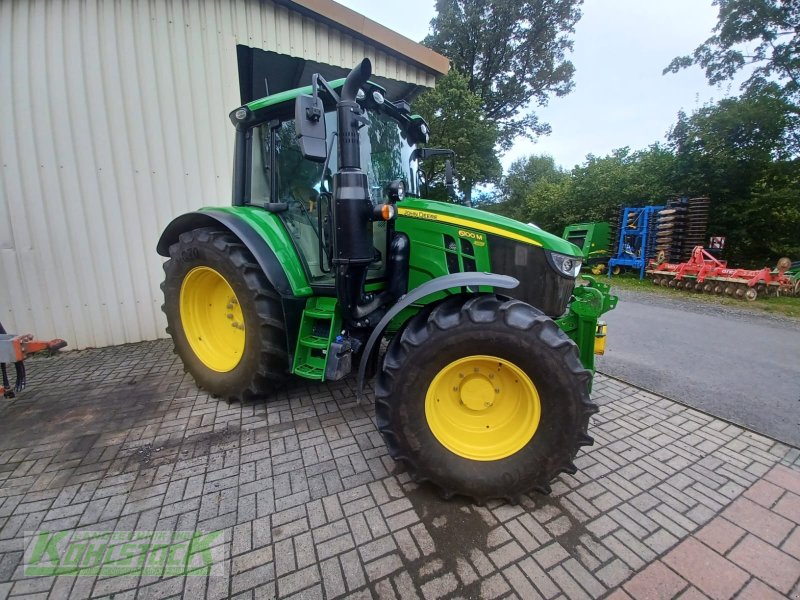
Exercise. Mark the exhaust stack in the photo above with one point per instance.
(353, 245)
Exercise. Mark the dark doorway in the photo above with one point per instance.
(262, 73)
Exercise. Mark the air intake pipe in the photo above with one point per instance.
(353, 246)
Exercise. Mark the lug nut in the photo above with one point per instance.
(229, 315)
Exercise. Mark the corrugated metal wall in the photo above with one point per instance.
(113, 120)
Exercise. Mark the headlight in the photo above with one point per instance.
(568, 266)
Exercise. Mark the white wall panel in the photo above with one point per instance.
(113, 120)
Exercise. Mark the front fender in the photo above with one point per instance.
(439, 284)
(262, 233)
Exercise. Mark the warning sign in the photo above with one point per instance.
(717, 243)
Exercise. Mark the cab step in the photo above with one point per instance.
(319, 326)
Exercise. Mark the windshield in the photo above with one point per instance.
(386, 156)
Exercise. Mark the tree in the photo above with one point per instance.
(742, 153)
(762, 34)
(458, 122)
(624, 178)
(512, 52)
(522, 176)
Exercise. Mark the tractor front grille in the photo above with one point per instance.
(539, 284)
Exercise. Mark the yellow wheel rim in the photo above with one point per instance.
(212, 319)
(482, 408)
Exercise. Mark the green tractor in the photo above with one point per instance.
(594, 242)
(328, 248)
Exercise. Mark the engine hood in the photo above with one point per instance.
(480, 220)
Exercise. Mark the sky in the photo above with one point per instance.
(620, 96)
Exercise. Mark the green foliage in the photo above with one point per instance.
(457, 122)
(760, 34)
(537, 191)
(512, 53)
(625, 178)
(741, 152)
(523, 176)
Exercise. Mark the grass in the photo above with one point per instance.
(781, 305)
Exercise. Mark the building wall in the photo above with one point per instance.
(113, 120)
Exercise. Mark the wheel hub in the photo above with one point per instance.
(482, 408)
(212, 319)
(477, 393)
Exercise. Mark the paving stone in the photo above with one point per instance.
(756, 590)
(721, 535)
(441, 586)
(783, 476)
(792, 544)
(758, 520)
(294, 582)
(789, 506)
(764, 493)
(302, 482)
(550, 555)
(656, 582)
(614, 573)
(707, 570)
(766, 562)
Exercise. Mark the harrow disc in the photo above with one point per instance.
(751, 294)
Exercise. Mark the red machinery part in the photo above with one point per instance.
(702, 266)
(14, 349)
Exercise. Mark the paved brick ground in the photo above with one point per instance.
(669, 502)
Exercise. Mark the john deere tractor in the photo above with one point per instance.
(329, 248)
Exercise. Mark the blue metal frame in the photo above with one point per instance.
(635, 244)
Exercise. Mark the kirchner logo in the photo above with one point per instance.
(111, 553)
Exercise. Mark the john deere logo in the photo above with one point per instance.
(477, 238)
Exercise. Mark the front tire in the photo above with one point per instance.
(224, 317)
(484, 397)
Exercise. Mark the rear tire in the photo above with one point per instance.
(477, 328)
(260, 360)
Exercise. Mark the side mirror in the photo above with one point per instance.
(448, 178)
(309, 119)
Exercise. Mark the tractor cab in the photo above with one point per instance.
(282, 176)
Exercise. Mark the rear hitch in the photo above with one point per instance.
(14, 349)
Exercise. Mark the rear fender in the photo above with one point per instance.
(268, 242)
(261, 232)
